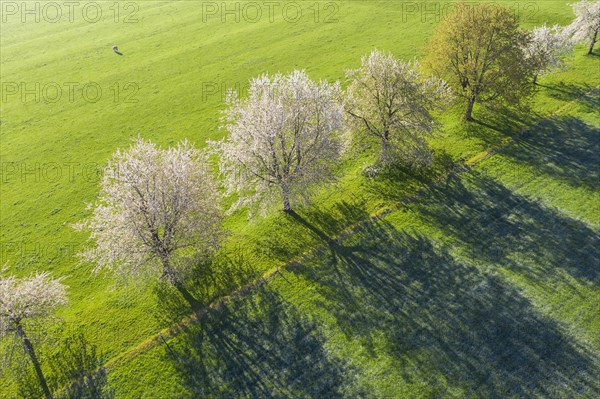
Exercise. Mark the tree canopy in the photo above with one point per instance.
(477, 49)
(284, 139)
(390, 101)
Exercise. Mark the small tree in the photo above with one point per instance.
(156, 208)
(283, 139)
(586, 25)
(547, 50)
(478, 50)
(26, 302)
(390, 101)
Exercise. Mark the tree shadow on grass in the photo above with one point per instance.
(73, 369)
(332, 220)
(447, 324)
(494, 125)
(587, 96)
(77, 368)
(298, 231)
(510, 230)
(567, 148)
(209, 279)
(398, 182)
(258, 346)
(509, 121)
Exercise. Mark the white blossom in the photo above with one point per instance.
(586, 25)
(283, 140)
(25, 300)
(548, 49)
(155, 207)
(389, 100)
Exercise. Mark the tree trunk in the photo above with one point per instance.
(469, 111)
(36, 364)
(169, 274)
(594, 39)
(535, 79)
(286, 198)
(386, 151)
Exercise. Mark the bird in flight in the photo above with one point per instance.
(116, 50)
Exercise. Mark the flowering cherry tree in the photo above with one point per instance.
(586, 25)
(156, 207)
(548, 49)
(25, 302)
(283, 139)
(390, 101)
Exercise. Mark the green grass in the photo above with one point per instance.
(464, 292)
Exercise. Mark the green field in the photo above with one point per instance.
(465, 281)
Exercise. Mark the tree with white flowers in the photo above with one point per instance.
(25, 303)
(390, 101)
(157, 209)
(586, 25)
(548, 49)
(283, 142)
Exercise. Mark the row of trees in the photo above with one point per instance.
(485, 57)
(159, 209)
(286, 137)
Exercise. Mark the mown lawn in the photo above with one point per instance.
(487, 286)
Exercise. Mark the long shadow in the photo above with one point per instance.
(209, 278)
(567, 148)
(289, 238)
(493, 125)
(331, 221)
(448, 325)
(259, 346)
(72, 367)
(79, 366)
(587, 96)
(309, 226)
(500, 227)
(397, 182)
(507, 120)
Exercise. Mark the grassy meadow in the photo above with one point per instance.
(477, 278)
